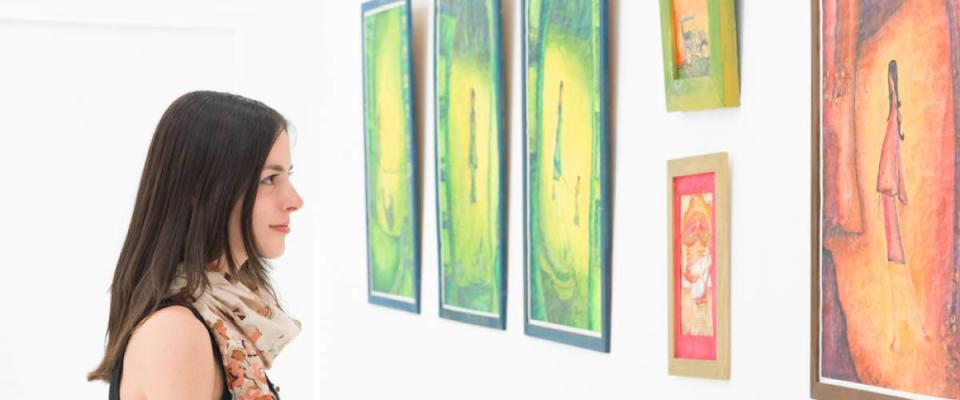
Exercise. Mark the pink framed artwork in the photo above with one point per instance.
(699, 299)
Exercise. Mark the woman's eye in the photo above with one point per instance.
(268, 180)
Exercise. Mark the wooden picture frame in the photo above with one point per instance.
(391, 183)
(703, 79)
(698, 267)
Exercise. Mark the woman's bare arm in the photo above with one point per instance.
(170, 357)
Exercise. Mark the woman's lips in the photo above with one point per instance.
(281, 228)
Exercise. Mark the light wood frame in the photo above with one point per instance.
(716, 163)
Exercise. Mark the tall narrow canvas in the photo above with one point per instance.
(566, 187)
(695, 267)
(471, 207)
(393, 255)
(887, 241)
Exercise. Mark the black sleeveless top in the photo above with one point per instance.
(118, 370)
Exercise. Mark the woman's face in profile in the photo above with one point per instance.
(276, 200)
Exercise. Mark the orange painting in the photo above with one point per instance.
(696, 252)
(691, 38)
(890, 266)
(695, 267)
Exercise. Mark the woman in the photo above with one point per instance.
(192, 311)
(890, 182)
(891, 187)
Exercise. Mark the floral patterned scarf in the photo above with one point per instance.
(249, 327)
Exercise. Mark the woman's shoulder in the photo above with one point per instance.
(169, 356)
(175, 325)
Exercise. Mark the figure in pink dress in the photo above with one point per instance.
(890, 185)
(890, 182)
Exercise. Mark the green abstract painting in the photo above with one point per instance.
(391, 163)
(470, 164)
(566, 186)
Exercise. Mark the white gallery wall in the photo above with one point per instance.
(376, 352)
(82, 85)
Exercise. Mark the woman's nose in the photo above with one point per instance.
(296, 202)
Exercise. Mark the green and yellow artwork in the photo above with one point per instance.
(566, 187)
(390, 153)
(470, 164)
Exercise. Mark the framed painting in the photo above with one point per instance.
(390, 150)
(700, 69)
(885, 237)
(470, 163)
(566, 183)
(699, 266)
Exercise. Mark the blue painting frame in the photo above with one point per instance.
(599, 343)
(373, 297)
(499, 319)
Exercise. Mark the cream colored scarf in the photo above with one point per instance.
(249, 327)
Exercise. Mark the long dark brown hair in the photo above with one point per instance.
(206, 156)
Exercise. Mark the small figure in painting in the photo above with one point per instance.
(387, 208)
(696, 238)
(576, 203)
(473, 146)
(694, 59)
(557, 167)
(891, 186)
(890, 183)
(694, 42)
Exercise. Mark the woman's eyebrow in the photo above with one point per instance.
(277, 168)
